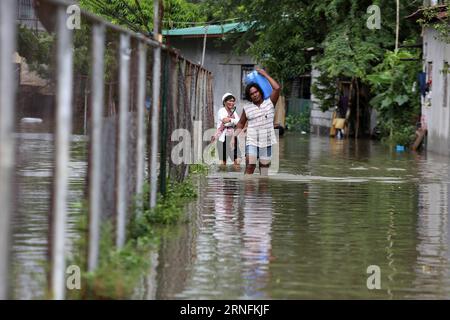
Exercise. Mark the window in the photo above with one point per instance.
(245, 70)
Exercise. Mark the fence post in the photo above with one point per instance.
(162, 159)
(62, 149)
(98, 70)
(142, 67)
(7, 101)
(121, 166)
(155, 105)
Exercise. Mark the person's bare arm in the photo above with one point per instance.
(275, 86)
(240, 125)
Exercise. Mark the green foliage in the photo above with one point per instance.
(198, 168)
(325, 90)
(299, 122)
(351, 50)
(395, 100)
(281, 32)
(404, 135)
(119, 271)
(37, 49)
(137, 15)
(169, 208)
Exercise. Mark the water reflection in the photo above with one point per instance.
(433, 229)
(232, 250)
(34, 174)
(256, 235)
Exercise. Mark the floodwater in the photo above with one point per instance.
(34, 174)
(315, 229)
(309, 231)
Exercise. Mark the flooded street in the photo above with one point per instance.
(309, 231)
(312, 230)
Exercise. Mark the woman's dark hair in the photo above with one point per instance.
(228, 98)
(247, 91)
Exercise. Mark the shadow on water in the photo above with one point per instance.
(311, 230)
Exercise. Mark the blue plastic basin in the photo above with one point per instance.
(255, 77)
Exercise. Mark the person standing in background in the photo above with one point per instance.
(227, 118)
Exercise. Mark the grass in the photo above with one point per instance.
(119, 271)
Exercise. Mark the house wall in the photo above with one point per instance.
(221, 61)
(320, 121)
(435, 108)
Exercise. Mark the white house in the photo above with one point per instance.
(435, 104)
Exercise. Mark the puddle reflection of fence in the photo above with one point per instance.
(117, 144)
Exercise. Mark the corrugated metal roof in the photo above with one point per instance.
(210, 30)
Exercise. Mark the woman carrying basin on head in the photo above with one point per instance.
(260, 114)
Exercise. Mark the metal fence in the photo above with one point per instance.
(121, 157)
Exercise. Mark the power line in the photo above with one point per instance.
(199, 24)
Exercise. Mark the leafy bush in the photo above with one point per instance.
(404, 136)
(199, 168)
(398, 105)
(299, 122)
(119, 270)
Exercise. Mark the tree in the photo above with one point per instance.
(397, 99)
(138, 15)
(437, 17)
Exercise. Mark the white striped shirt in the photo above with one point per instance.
(260, 131)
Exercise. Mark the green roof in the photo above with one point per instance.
(212, 29)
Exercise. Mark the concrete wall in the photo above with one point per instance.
(435, 112)
(320, 121)
(221, 61)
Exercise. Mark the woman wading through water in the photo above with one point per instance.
(259, 114)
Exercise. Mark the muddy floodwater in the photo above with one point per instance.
(335, 211)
